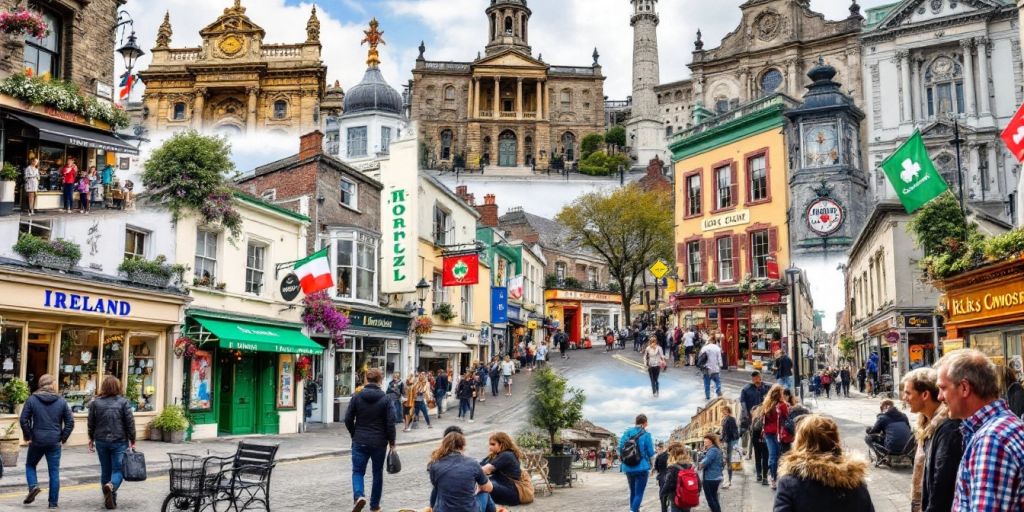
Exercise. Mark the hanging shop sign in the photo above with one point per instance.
(515, 287)
(461, 270)
(824, 216)
(399, 198)
(499, 305)
(917, 321)
(361, 320)
(290, 287)
(892, 336)
(86, 303)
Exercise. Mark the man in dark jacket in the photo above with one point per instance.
(441, 388)
(494, 374)
(46, 423)
(751, 397)
(784, 369)
(862, 375)
(890, 433)
(371, 424)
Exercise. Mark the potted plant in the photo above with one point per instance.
(445, 311)
(13, 394)
(173, 423)
(8, 174)
(10, 445)
(132, 391)
(555, 406)
(20, 21)
(156, 431)
(156, 273)
(56, 254)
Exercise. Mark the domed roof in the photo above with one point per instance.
(373, 94)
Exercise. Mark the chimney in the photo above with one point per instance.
(488, 211)
(463, 192)
(311, 144)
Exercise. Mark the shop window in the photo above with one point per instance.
(43, 55)
(349, 193)
(255, 260)
(759, 253)
(135, 243)
(113, 355)
(725, 259)
(344, 373)
(40, 228)
(76, 376)
(179, 111)
(385, 140)
(280, 109)
(694, 197)
(757, 173)
(10, 360)
(141, 384)
(723, 187)
(356, 138)
(467, 304)
(356, 267)
(693, 263)
(206, 257)
(444, 229)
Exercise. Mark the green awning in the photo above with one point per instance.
(259, 337)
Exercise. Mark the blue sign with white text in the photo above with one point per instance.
(499, 305)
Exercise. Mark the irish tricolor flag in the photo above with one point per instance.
(314, 272)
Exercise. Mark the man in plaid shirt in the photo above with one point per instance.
(992, 469)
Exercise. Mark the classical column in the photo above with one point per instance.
(250, 118)
(469, 98)
(993, 173)
(538, 109)
(745, 85)
(519, 98)
(497, 97)
(966, 46)
(476, 97)
(904, 64)
(915, 92)
(197, 108)
(983, 99)
(544, 99)
(791, 81)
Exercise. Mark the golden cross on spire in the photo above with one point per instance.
(374, 37)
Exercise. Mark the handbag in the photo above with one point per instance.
(524, 487)
(134, 466)
(394, 464)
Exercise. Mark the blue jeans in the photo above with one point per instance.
(361, 455)
(439, 398)
(396, 409)
(68, 195)
(711, 494)
(637, 483)
(111, 456)
(463, 407)
(485, 503)
(418, 408)
(729, 447)
(708, 379)
(772, 440)
(52, 454)
(787, 382)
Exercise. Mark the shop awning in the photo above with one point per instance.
(77, 136)
(259, 337)
(447, 346)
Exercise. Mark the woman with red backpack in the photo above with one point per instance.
(826, 382)
(776, 412)
(682, 485)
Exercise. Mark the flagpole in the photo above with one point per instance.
(957, 141)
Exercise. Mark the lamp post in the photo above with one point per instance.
(131, 51)
(956, 141)
(793, 274)
(421, 292)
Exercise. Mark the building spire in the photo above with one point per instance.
(313, 28)
(374, 37)
(236, 8)
(163, 35)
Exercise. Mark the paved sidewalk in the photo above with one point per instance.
(78, 465)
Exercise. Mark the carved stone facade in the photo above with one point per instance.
(776, 43)
(235, 84)
(930, 62)
(505, 108)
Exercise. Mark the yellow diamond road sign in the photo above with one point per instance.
(659, 269)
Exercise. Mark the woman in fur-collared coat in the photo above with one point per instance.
(816, 475)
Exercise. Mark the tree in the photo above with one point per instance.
(846, 347)
(590, 144)
(616, 137)
(629, 228)
(555, 405)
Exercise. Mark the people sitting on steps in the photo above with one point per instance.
(890, 433)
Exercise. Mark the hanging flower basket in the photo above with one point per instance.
(19, 21)
(423, 325)
(320, 316)
(302, 368)
(184, 347)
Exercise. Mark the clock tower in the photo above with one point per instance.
(828, 189)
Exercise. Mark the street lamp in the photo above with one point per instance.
(131, 51)
(421, 292)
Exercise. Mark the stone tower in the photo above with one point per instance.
(644, 127)
(508, 26)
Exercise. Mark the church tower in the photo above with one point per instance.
(644, 126)
(508, 26)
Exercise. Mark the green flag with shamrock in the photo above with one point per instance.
(913, 174)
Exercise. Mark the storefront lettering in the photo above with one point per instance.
(86, 303)
(398, 227)
(244, 346)
(988, 302)
(723, 221)
(370, 321)
(259, 332)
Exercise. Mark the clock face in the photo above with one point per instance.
(821, 145)
(230, 45)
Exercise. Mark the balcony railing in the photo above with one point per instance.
(508, 115)
(486, 113)
(529, 115)
(572, 70)
(280, 51)
(185, 55)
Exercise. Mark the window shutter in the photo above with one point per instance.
(748, 178)
(737, 244)
(735, 184)
(748, 252)
(681, 260)
(773, 241)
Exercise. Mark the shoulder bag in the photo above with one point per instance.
(134, 466)
(524, 486)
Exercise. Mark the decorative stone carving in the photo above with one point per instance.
(163, 35)
(767, 25)
(936, 6)
(313, 28)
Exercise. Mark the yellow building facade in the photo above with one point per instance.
(731, 233)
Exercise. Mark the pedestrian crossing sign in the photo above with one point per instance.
(659, 269)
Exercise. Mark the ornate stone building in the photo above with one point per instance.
(643, 129)
(506, 107)
(776, 43)
(234, 83)
(927, 63)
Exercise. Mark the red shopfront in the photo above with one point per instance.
(750, 324)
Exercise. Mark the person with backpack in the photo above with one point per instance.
(46, 423)
(111, 432)
(635, 451)
(890, 433)
(730, 436)
(775, 411)
(826, 383)
(659, 470)
(441, 388)
(711, 471)
(682, 485)
(482, 376)
(783, 369)
(709, 362)
(751, 397)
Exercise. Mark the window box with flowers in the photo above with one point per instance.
(156, 273)
(321, 317)
(445, 311)
(63, 95)
(21, 21)
(56, 254)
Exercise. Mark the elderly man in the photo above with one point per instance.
(939, 443)
(991, 474)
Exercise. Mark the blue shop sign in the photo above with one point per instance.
(499, 305)
(86, 303)
(515, 312)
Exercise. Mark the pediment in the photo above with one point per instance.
(234, 22)
(944, 129)
(913, 12)
(510, 59)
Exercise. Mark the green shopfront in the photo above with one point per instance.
(242, 379)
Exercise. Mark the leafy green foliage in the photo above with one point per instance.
(132, 389)
(171, 419)
(590, 144)
(600, 163)
(29, 245)
(8, 172)
(14, 393)
(533, 440)
(847, 346)
(939, 221)
(445, 311)
(158, 267)
(555, 405)
(1007, 245)
(629, 228)
(616, 136)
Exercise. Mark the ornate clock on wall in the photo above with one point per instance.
(230, 45)
(821, 145)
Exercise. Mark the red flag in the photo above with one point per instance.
(1013, 135)
(461, 270)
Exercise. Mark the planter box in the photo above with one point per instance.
(9, 450)
(174, 437)
(156, 434)
(148, 279)
(6, 197)
(47, 260)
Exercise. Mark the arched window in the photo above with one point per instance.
(721, 105)
(771, 80)
(449, 96)
(508, 25)
(446, 144)
(944, 86)
(179, 111)
(280, 109)
(679, 96)
(494, 26)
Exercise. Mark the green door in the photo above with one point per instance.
(507, 150)
(267, 421)
(239, 401)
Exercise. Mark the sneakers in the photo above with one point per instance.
(727, 485)
(360, 505)
(471, 421)
(764, 481)
(108, 496)
(32, 493)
